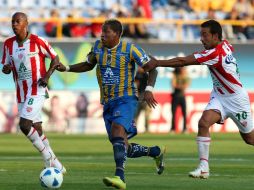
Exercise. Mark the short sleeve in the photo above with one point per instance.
(46, 48)
(207, 57)
(139, 55)
(5, 56)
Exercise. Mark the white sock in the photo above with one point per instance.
(34, 137)
(56, 162)
(46, 143)
(203, 150)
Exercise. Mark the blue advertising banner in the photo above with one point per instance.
(74, 52)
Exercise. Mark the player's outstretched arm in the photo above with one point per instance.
(81, 67)
(175, 62)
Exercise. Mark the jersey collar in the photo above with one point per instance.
(115, 45)
(23, 41)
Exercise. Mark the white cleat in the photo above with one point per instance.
(200, 172)
(63, 170)
(57, 164)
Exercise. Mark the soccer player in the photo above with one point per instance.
(116, 61)
(24, 55)
(228, 98)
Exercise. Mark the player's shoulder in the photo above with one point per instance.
(10, 39)
(228, 45)
(126, 46)
(136, 47)
(36, 37)
(97, 44)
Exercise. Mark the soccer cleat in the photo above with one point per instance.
(57, 164)
(114, 182)
(200, 172)
(54, 162)
(159, 161)
(63, 170)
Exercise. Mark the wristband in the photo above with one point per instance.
(67, 68)
(149, 88)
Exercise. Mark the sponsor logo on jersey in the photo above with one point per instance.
(230, 59)
(109, 78)
(22, 67)
(29, 109)
(117, 113)
(20, 56)
(144, 59)
(31, 54)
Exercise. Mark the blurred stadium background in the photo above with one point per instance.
(164, 28)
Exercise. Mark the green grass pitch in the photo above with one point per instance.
(89, 158)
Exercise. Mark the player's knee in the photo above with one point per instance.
(38, 127)
(25, 125)
(204, 124)
(249, 141)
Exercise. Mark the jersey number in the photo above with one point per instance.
(30, 101)
(242, 115)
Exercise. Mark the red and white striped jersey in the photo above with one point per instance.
(28, 64)
(223, 68)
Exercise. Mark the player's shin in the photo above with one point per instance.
(46, 143)
(34, 137)
(56, 162)
(203, 150)
(119, 149)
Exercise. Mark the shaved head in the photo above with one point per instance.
(20, 25)
(20, 15)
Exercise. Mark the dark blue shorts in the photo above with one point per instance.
(121, 111)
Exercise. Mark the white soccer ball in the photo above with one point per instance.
(51, 178)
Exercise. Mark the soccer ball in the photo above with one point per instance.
(51, 178)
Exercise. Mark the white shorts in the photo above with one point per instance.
(236, 107)
(31, 108)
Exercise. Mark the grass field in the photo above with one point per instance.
(89, 158)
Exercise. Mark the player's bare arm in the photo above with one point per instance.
(7, 69)
(53, 66)
(175, 62)
(81, 67)
(148, 95)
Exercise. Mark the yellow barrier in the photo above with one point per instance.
(179, 23)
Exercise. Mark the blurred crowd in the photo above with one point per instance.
(59, 114)
(156, 9)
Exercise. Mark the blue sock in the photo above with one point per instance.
(136, 150)
(154, 151)
(119, 149)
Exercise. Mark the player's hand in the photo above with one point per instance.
(43, 82)
(61, 67)
(153, 63)
(7, 69)
(148, 97)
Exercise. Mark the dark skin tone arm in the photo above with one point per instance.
(53, 66)
(152, 75)
(80, 67)
(175, 62)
